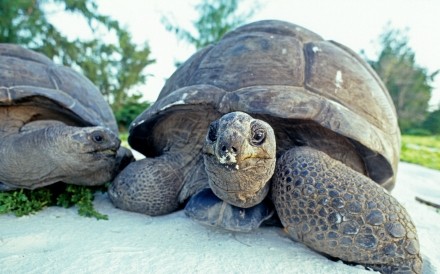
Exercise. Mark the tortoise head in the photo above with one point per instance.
(87, 153)
(239, 155)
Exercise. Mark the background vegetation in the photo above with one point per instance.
(421, 150)
(117, 66)
(216, 18)
(114, 66)
(409, 85)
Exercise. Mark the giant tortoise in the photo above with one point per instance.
(274, 118)
(55, 125)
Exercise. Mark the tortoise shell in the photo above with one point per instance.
(284, 71)
(29, 78)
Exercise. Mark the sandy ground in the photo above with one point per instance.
(57, 240)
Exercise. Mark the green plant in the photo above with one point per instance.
(421, 150)
(123, 136)
(23, 202)
(131, 108)
(432, 122)
(418, 132)
(82, 197)
(409, 84)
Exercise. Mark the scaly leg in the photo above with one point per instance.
(340, 212)
(150, 186)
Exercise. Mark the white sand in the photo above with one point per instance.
(57, 240)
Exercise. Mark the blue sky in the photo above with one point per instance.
(354, 23)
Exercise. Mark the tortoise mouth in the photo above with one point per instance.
(220, 172)
(244, 164)
(103, 152)
(109, 151)
(230, 167)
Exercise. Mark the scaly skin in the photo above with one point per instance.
(320, 201)
(336, 210)
(239, 167)
(149, 186)
(39, 157)
(158, 185)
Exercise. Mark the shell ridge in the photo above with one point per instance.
(31, 74)
(327, 83)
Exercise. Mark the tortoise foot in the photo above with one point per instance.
(208, 209)
(340, 212)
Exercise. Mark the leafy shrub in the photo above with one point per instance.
(126, 113)
(23, 201)
(418, 132)
(432, 122)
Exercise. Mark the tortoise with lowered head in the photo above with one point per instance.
(273, 116)
(54, 125)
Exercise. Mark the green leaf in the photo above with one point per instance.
(24, 202)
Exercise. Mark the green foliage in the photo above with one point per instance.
(132, 108)
(409, 85)
(23, 202)
(115, 67)
(82, 197)
(215, 19)
(421, 150)
(123, 136)
(432, 122)
(418, 132)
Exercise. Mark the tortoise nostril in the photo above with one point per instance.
(229, 149)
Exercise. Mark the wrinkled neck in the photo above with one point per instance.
(26, 159)
(242, 187)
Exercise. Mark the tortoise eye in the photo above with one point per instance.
(258, 136)
(212, 133)
(98, 137)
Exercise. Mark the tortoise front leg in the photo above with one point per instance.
(340, 212)
(150, 186)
